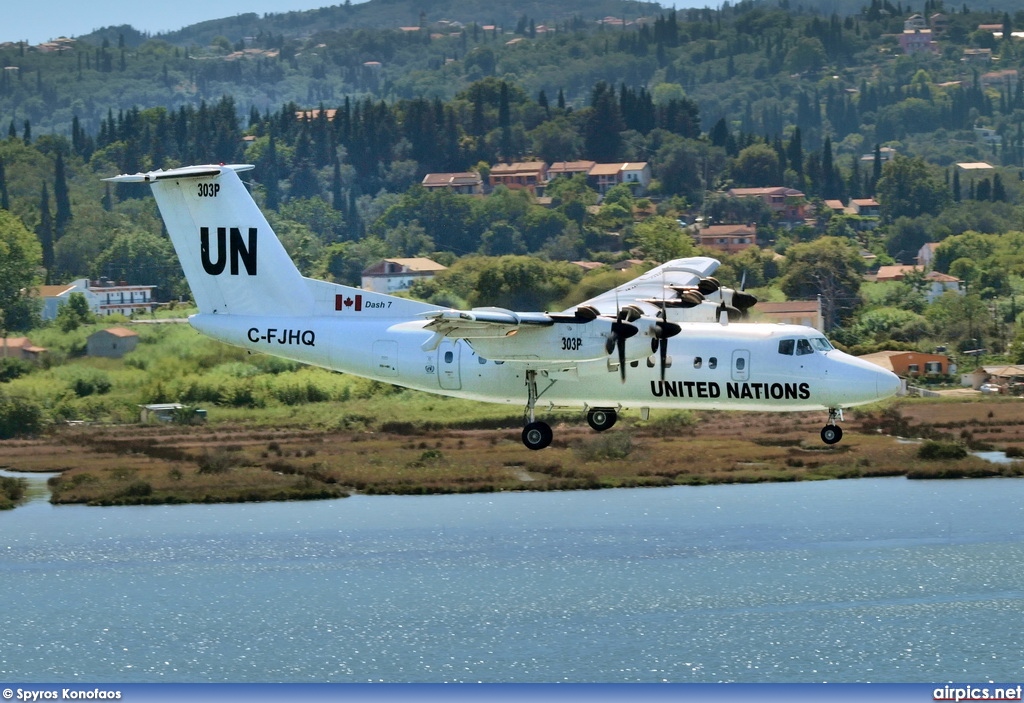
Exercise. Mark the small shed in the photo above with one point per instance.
(113, 343)
(167, 412)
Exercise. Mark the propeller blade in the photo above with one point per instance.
(622, 358)
(620, 332)
(609, 344)
(663, 355)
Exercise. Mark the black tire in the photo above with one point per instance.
(831, 434)
(537, 435)
(601, 419)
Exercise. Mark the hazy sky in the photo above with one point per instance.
(37, 21)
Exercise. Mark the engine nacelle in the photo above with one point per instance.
(569, 341)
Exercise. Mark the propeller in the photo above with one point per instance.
(620, 332)
(742, 300)
(660, 332)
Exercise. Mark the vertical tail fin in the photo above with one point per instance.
(233, 261)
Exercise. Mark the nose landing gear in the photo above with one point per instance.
(831, 433)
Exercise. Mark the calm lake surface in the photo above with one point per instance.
(865, 580)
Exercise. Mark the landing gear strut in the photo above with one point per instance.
(601, 419)
(831, 432)
(536, 434)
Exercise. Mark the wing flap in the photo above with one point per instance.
(479, 323)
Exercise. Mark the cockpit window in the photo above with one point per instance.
(786, 346)
(803, 346)
(821, 344)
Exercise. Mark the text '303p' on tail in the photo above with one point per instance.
(233, 261)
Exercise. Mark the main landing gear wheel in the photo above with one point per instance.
(830, 434)
(601, 419)
(537, 435)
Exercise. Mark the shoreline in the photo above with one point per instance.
(166, 464)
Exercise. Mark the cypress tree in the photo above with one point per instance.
(505, 123)
(45, 230)
(998, 191)
(984, 191)
(273, 192)
(830, 185)
(5, 201)
(60, 195)
(853, 183)
(337, 196)
(876, 168)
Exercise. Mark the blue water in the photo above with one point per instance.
(866, 580)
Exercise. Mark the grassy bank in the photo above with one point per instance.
(12, 491)
(282, 431)
(398, 448)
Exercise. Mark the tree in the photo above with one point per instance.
(140, 257)
(602, 139)
(20, 258)
(828, 267)
(61, 198)
(74, 313)
(807, 54)
(757, 166)
(661, 239)
(5, 200)
(908, 189)
(45, 229)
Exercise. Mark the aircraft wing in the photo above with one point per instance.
(622, 323)
(480, 323)
(657, 284)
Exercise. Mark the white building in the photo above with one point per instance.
(104, 297)
(391, 275)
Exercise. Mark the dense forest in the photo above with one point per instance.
(343, 120)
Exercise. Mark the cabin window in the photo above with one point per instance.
(697, 361)
(713, 363)
(741, 363)
(449, 357)
(786, 346)
(803, 346)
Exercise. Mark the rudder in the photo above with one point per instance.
(233, 261)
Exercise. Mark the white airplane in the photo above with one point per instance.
(663, 340)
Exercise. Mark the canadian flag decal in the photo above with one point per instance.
(342, 302)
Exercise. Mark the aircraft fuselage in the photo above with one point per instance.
(712, 366)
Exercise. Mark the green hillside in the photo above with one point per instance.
(343, 123)
(390, 14)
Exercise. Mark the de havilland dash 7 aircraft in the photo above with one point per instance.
(663, 340)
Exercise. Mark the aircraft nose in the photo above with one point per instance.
(887, 384)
